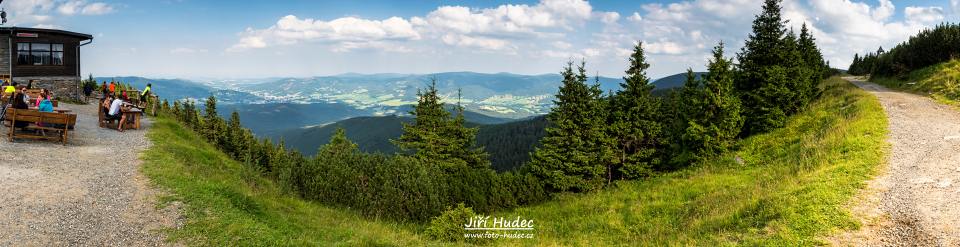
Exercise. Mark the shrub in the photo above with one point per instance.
(449, 226)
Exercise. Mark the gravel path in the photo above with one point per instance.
(87, 193)
(916, 200)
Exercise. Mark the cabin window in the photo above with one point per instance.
(39, 54)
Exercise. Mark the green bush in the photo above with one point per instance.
(449, 226)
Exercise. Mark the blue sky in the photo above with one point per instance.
(248, 39)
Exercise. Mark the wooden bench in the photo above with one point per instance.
(47, 118)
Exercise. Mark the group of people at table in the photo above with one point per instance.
(19, 99)
(112, 106)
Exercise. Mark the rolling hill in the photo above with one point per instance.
(509, 144)
(675, 81)
(176, 89)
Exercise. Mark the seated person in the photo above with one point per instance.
(44, 95)
(115, 112)
(47, 106)
(26, 97)
(19, 103)
(10, 89)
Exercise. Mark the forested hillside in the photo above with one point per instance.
(926, 63)
(509, 144)
(929, 47)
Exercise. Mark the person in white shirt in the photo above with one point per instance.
(114, 112)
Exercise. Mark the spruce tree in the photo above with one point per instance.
(634, 122)
(436, 136)
(573, 155)
(712, 118)
(690, 101)
(339, 145)
(813, 58)
(465, 139)
(211, 121)
(235, 139)
(799, 76)
(763, 79)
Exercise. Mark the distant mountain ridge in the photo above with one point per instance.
(274, 105)
(271, 119)
(676, 80)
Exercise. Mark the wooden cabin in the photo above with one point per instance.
(47, 58)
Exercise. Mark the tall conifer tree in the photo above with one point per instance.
(712, 111)
(763, 78)
(437, 136)
(635, 122)
(573, 155)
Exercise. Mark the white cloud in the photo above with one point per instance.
(924, 14)
(70, 8)
(664, 47)
(97, 9)
(43, 12)
(562, 45)
(493, 27)
(349, 46)
(610, 17)
(635, 17)
(476, 42)
(884, 11)
(73, 7)
(292, 30)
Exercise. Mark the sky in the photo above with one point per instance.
(254, 39)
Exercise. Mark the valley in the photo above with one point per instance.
(273, 106)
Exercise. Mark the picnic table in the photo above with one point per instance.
(134, 114)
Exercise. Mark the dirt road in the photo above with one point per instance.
(87, 193)
(915, 201)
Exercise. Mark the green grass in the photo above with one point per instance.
(940, 81)
(791, 189)
(230, 204)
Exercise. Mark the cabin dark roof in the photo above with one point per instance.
(8, 30)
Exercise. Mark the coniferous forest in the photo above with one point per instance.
(929, 47)
(592, 138)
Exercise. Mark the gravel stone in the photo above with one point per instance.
(912, 202)
(87, 193)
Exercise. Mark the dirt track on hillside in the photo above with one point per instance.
(87, 193)
(915, 201)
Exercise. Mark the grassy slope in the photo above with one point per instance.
(229, 204)
(941, 82)
(791, 189)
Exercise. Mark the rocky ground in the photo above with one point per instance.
(89, 192)
(915, 201)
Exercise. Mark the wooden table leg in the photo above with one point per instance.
(136, 121)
